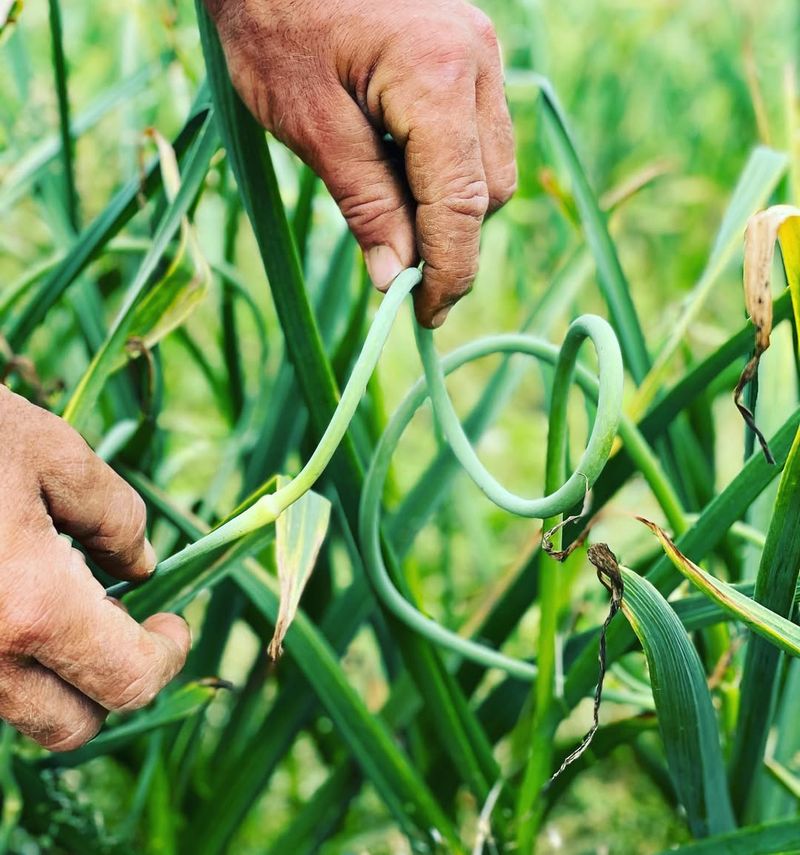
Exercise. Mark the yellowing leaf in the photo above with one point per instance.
(763, 171)
(763, 621)
(759, 250)
(9, 13)
(168, 303)
(789, 237)
(778, 223)
(299, 533)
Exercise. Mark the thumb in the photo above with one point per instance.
(341, 146)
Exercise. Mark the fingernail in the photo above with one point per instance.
(150, 558)
(440, 317)
(383, 266)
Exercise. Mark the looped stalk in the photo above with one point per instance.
(609, 406)
(608, 394)
(603, 432)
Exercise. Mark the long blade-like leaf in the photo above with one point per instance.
(88, 390)
(685, 712)
(613, 284)
(183, 703)
(775, 586)
(761, 175)
(773, 837)
(389, 770)
(91, 241)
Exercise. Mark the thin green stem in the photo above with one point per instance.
(268, 507)
(62, 94)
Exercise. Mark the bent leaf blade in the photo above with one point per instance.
(299, 534)
(185, 284)
(763, 621)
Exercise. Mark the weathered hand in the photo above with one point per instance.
(330, 79)
(68, 654)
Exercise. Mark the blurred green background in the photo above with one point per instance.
(665, 97)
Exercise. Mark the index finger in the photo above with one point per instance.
(445, 173)
(89, 501)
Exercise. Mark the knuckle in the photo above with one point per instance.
(456, 273)
(452, 64)
(443, 54)
(468, 199)
(123, 525)
(450, 270)
(363, 210)
(483, 27)
(66, 457)
(139, 692)
(28, 624)
(117, 535)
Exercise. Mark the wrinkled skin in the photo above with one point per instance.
(68, 654)
(331, 79)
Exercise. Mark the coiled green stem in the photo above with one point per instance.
(609, 403)
(607, 393)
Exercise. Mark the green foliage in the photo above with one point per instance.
(683, 705)
(437, 670)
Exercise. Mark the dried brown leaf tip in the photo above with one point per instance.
(608, 572)
(656, 529)
(667, 543)
(547, 538)
(779, 223)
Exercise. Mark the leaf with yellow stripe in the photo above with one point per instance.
(778, 223)
(9, 13)
(299, 534)
(789, 237)
(761, 620)
(167, 305)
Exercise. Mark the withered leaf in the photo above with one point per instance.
(764, 229)
(299, 534)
